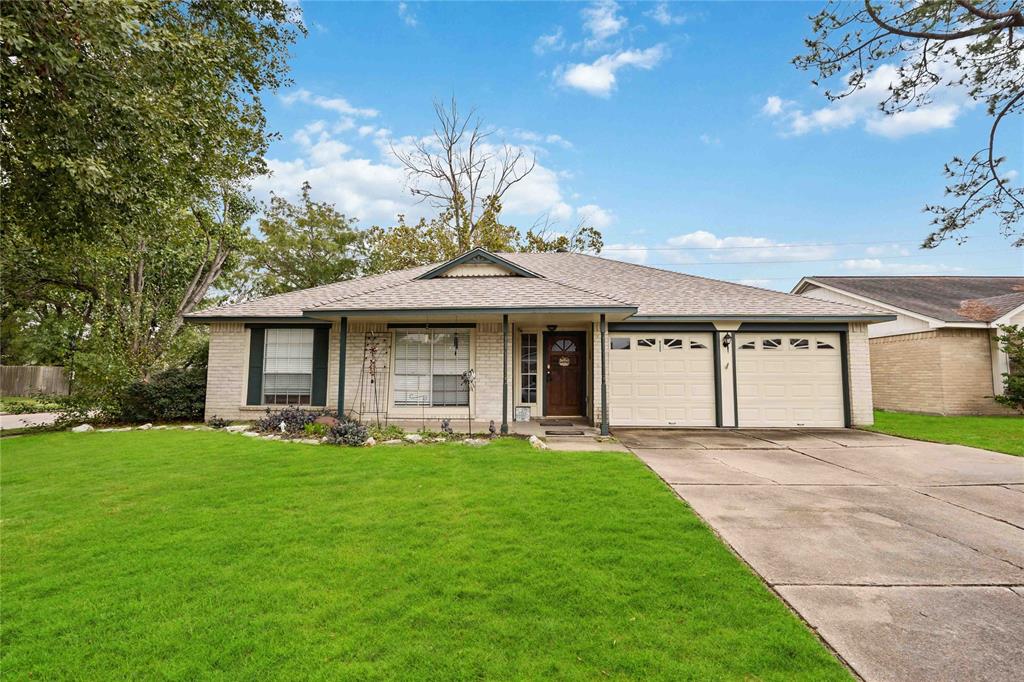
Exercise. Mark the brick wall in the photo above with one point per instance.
(225, 378)
(942, 371)
(859, 362)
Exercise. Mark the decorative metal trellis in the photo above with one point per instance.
(372, 394)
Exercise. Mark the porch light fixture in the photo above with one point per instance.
(552, 327)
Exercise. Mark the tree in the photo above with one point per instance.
(461, 173)
(304, 246)
(114, 308)
(112, 111)
(970, 44)
(383, 249)
(1011, 341)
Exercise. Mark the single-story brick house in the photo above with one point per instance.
(546, 335)
(940, 354)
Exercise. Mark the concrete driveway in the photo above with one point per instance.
(17, 421)
(906, 557)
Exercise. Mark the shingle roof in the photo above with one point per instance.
(940, 298)
(566, 280)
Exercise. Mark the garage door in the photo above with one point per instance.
(789, 380)
(661, 380)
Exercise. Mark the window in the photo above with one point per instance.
(288, 367)
(771, 344)
(563, 346)
(799, 344)
(697, 344)
(749, 345)
(620, 343)
(429, 367)
(673, 344)
(822, 345)
(528, 367)
(647, 343)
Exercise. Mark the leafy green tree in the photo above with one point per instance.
(383, 249)
(304, 245)
(974, 45)
(1011, 341)
(113, 110)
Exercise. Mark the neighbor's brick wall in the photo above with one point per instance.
(225, 375)
(942, 371)
(859, 361)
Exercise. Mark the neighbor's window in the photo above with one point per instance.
(288, 367)
(528, 367)
(429, 367)
(620, 343)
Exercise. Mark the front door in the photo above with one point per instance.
(564, 373)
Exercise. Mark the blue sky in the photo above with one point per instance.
(681, 130)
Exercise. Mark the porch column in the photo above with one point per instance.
(342, 348)
(604, 379)
(504, 373)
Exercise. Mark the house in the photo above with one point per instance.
(546, 335)
(940, 354)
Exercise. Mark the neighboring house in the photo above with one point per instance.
(940, 354)
(560, 331)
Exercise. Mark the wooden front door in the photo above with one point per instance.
(565, 373)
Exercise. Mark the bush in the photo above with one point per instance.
(389, 432)
(217, 422)
(315, 430)
(74, 410)
(347, 433)
(171, 395)
(295, 420)
(1011, 341)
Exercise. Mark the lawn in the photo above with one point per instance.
(200, 554)
(1002, 434)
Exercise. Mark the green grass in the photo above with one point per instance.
(1002, 434)
(194, 555)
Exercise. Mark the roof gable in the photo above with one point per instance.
(462, 266)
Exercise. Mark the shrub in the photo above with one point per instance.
(347, 433)
(74, 410)
(315, 430)
(1011, 341)
(294, 418)
(217, 422)
(171, 395)
(389, 432)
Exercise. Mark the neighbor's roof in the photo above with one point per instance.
(941, 298)
(564, 280)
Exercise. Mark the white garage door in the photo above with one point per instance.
(665, 379)
(789, 380)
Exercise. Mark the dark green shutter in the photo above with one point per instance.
(254, 396)
(320, 337)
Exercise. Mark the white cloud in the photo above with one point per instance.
(406, 15)
(551, 42)
(877, 267)
(602, 21)
(630, 253)
(599, 77)
(663, 15)
(595, 216)
(704, 245)
(336, 104)
(710, 140)
(947, 103)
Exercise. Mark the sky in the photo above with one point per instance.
(681, 130)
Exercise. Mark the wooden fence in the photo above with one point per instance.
(32, 379)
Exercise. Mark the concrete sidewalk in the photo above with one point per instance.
(906, 557)
(18, 421)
